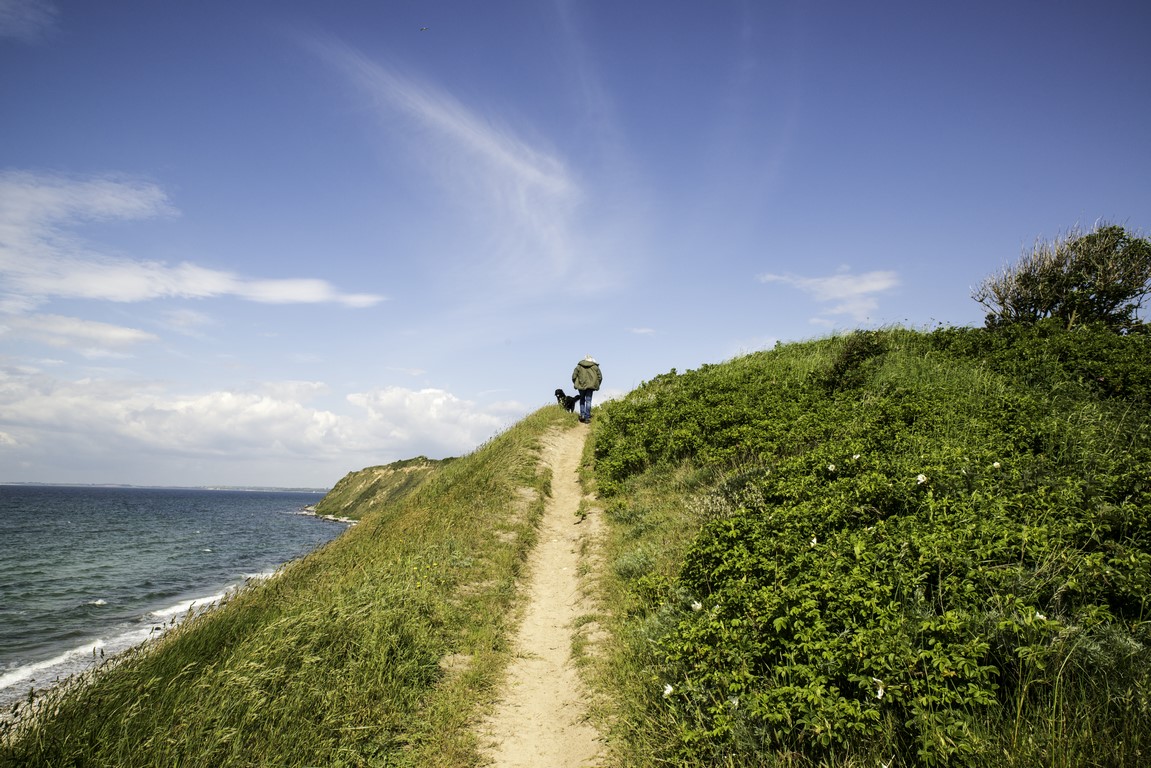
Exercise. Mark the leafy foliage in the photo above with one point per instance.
(1098, 277)
(924, 545)
(847, 369)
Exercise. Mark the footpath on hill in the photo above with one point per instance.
(541, 716)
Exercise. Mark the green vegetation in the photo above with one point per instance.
(1098, 277)
(376, 487)
(373, 650)
(885, 548)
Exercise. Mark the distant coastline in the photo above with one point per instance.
(252, 488)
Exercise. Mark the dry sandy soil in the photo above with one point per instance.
(541, 718)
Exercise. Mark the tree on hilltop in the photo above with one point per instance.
(1101, 276)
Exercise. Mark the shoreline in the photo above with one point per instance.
(310, 509)
(35, 682)
(29, 682)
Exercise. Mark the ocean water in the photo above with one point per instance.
(87, 572)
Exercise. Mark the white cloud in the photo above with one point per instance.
(642, 331)
(525, 194)
(89, 337)
(41, 259)
(64, 424)
(27, 20)
(843, 293)
(299, 291)
(187, 321)
(439, 418)
(228, 423)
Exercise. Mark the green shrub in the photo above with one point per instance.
(923, 545)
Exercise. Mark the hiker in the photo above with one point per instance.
(587, 379)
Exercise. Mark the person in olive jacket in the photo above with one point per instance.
(587, 378)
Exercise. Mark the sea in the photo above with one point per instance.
(87, 572)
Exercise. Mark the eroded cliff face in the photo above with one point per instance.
(359, 492)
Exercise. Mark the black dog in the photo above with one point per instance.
(569, 403)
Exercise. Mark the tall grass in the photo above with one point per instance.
(373, 650)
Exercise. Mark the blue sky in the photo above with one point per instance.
(271, 242)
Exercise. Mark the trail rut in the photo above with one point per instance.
(541, 718)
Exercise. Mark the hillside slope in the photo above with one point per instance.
(371, 488)
(378, 649)
(887, 548)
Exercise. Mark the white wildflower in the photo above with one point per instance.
(696, 605)
(814, 540)
(667, 689)
(1040, 616)
(855, 457)
(996, 465)
(879, 687)
(830, 467)
(921, 478)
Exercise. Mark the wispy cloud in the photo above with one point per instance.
(597, 106)
(27, 20)
(186, 321)
(41, 257)
(842, 293)
(525, 193)
(90, 338)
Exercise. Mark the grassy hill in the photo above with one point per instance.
(887, 548)
(374, 650)
(358, 493)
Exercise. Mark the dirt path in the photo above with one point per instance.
(541, 717)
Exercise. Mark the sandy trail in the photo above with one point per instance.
(541, 714)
